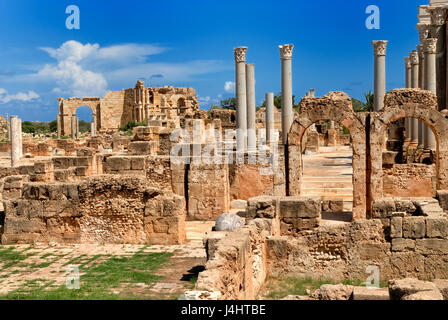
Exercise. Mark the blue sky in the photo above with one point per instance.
(190, 43)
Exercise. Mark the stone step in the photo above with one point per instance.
(327, 184)
(329, 191)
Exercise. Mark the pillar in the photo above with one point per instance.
(92, 129)
(250, 98)
(438, 31)
(8, 128)
(77, 127)
(58, 120)
(379, 48)
(430, 49)
(72, 126)
(414, 84)
(147, 112)
(140, 111)
(16, 145)
(312, 92)
(421, 85)
(407, 64)
(241, 102)
(287, 114)
(269, 116)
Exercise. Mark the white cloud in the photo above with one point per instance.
(21, 96)
(229, 86)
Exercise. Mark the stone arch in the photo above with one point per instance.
(335, 106)
(67, 109)
(408, 103)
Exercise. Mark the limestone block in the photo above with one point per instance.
(83, 161)
(389, 157)
(398, 289)
(383, 208)
(442, 196)
(261, 207)
(82, 171)
(333, 206)
(370, 294)
(117, 163)
(396, 227)
(13, 182)
(43, 167)
(414, 227)
(300, 207)
(400, 244)
(436, 227)
(277, 248)
(137, 163)
(442, 285)
(333, 292)
(308, 224)
(143, 148)
(425, 295)
(431, 246)
(228, 222)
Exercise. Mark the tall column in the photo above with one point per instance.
(250, 97)
(147, 112)
(414, 84)
(379, 49)
(92, 129)
(438, 31)
(8, 128)
(407, 121)
(421, 85)
(58, 120)
(287, 114)
(269, 116)
(72, 126)
(430, 49)
(16, 144)
(77, 128)
(241, 106)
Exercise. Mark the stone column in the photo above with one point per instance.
(414, 84)
(407, 121)
(269, 116)
(92, 129)
(287, 113)
(147, 112)
(16, 145)
(438, 31)
(72, 126)
(379, 48)
(20, 138)
(58, 120)
(140, 109)
(430, 49)
(241, 106)
(250, 98)
(421, 85)
(77, 128)
(312, 92)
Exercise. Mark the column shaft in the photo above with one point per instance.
(287, 113)
(16, 132)
(241, 101)
(430, 84)
(250, 96)
(58, 119)
(269, 117)
(414, 84)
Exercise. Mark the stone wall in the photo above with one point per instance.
(409, 180)
(100, 209)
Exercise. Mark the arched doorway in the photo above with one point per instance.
(85, 117)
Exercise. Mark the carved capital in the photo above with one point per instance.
(423, 31)
(286, 51)
(438, 15)
(240, 54)
(407, 62)
(379, 47)
(430, 45)
(413, 57)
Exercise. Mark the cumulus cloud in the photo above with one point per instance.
(229, 86)
(21, 96)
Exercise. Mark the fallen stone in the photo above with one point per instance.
(333, 292)
(405, 287)
(424, 295)
(238, 204)
(369, 293)
(228, 222)
(442, 285)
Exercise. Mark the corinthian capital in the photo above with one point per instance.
(438, 15)
(240, 54)
(413, 57)
(379, 47)
(286, 51)
(407, 62)
(430, 45)
(423, 31)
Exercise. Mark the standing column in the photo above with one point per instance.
(379, 48)
(430, 49)
(92, 129)
(8, 128)
(147, 112)
(407, 121)
(77, 127)
(414, 84)
(438, 31)
(250, 97)
(287, 114)
(16, 132)
(241, 107)
(421, 85)
(269, 117)
(58, 120)
(72, 126)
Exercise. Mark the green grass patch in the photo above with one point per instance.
(98, 279)
(10, 257)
